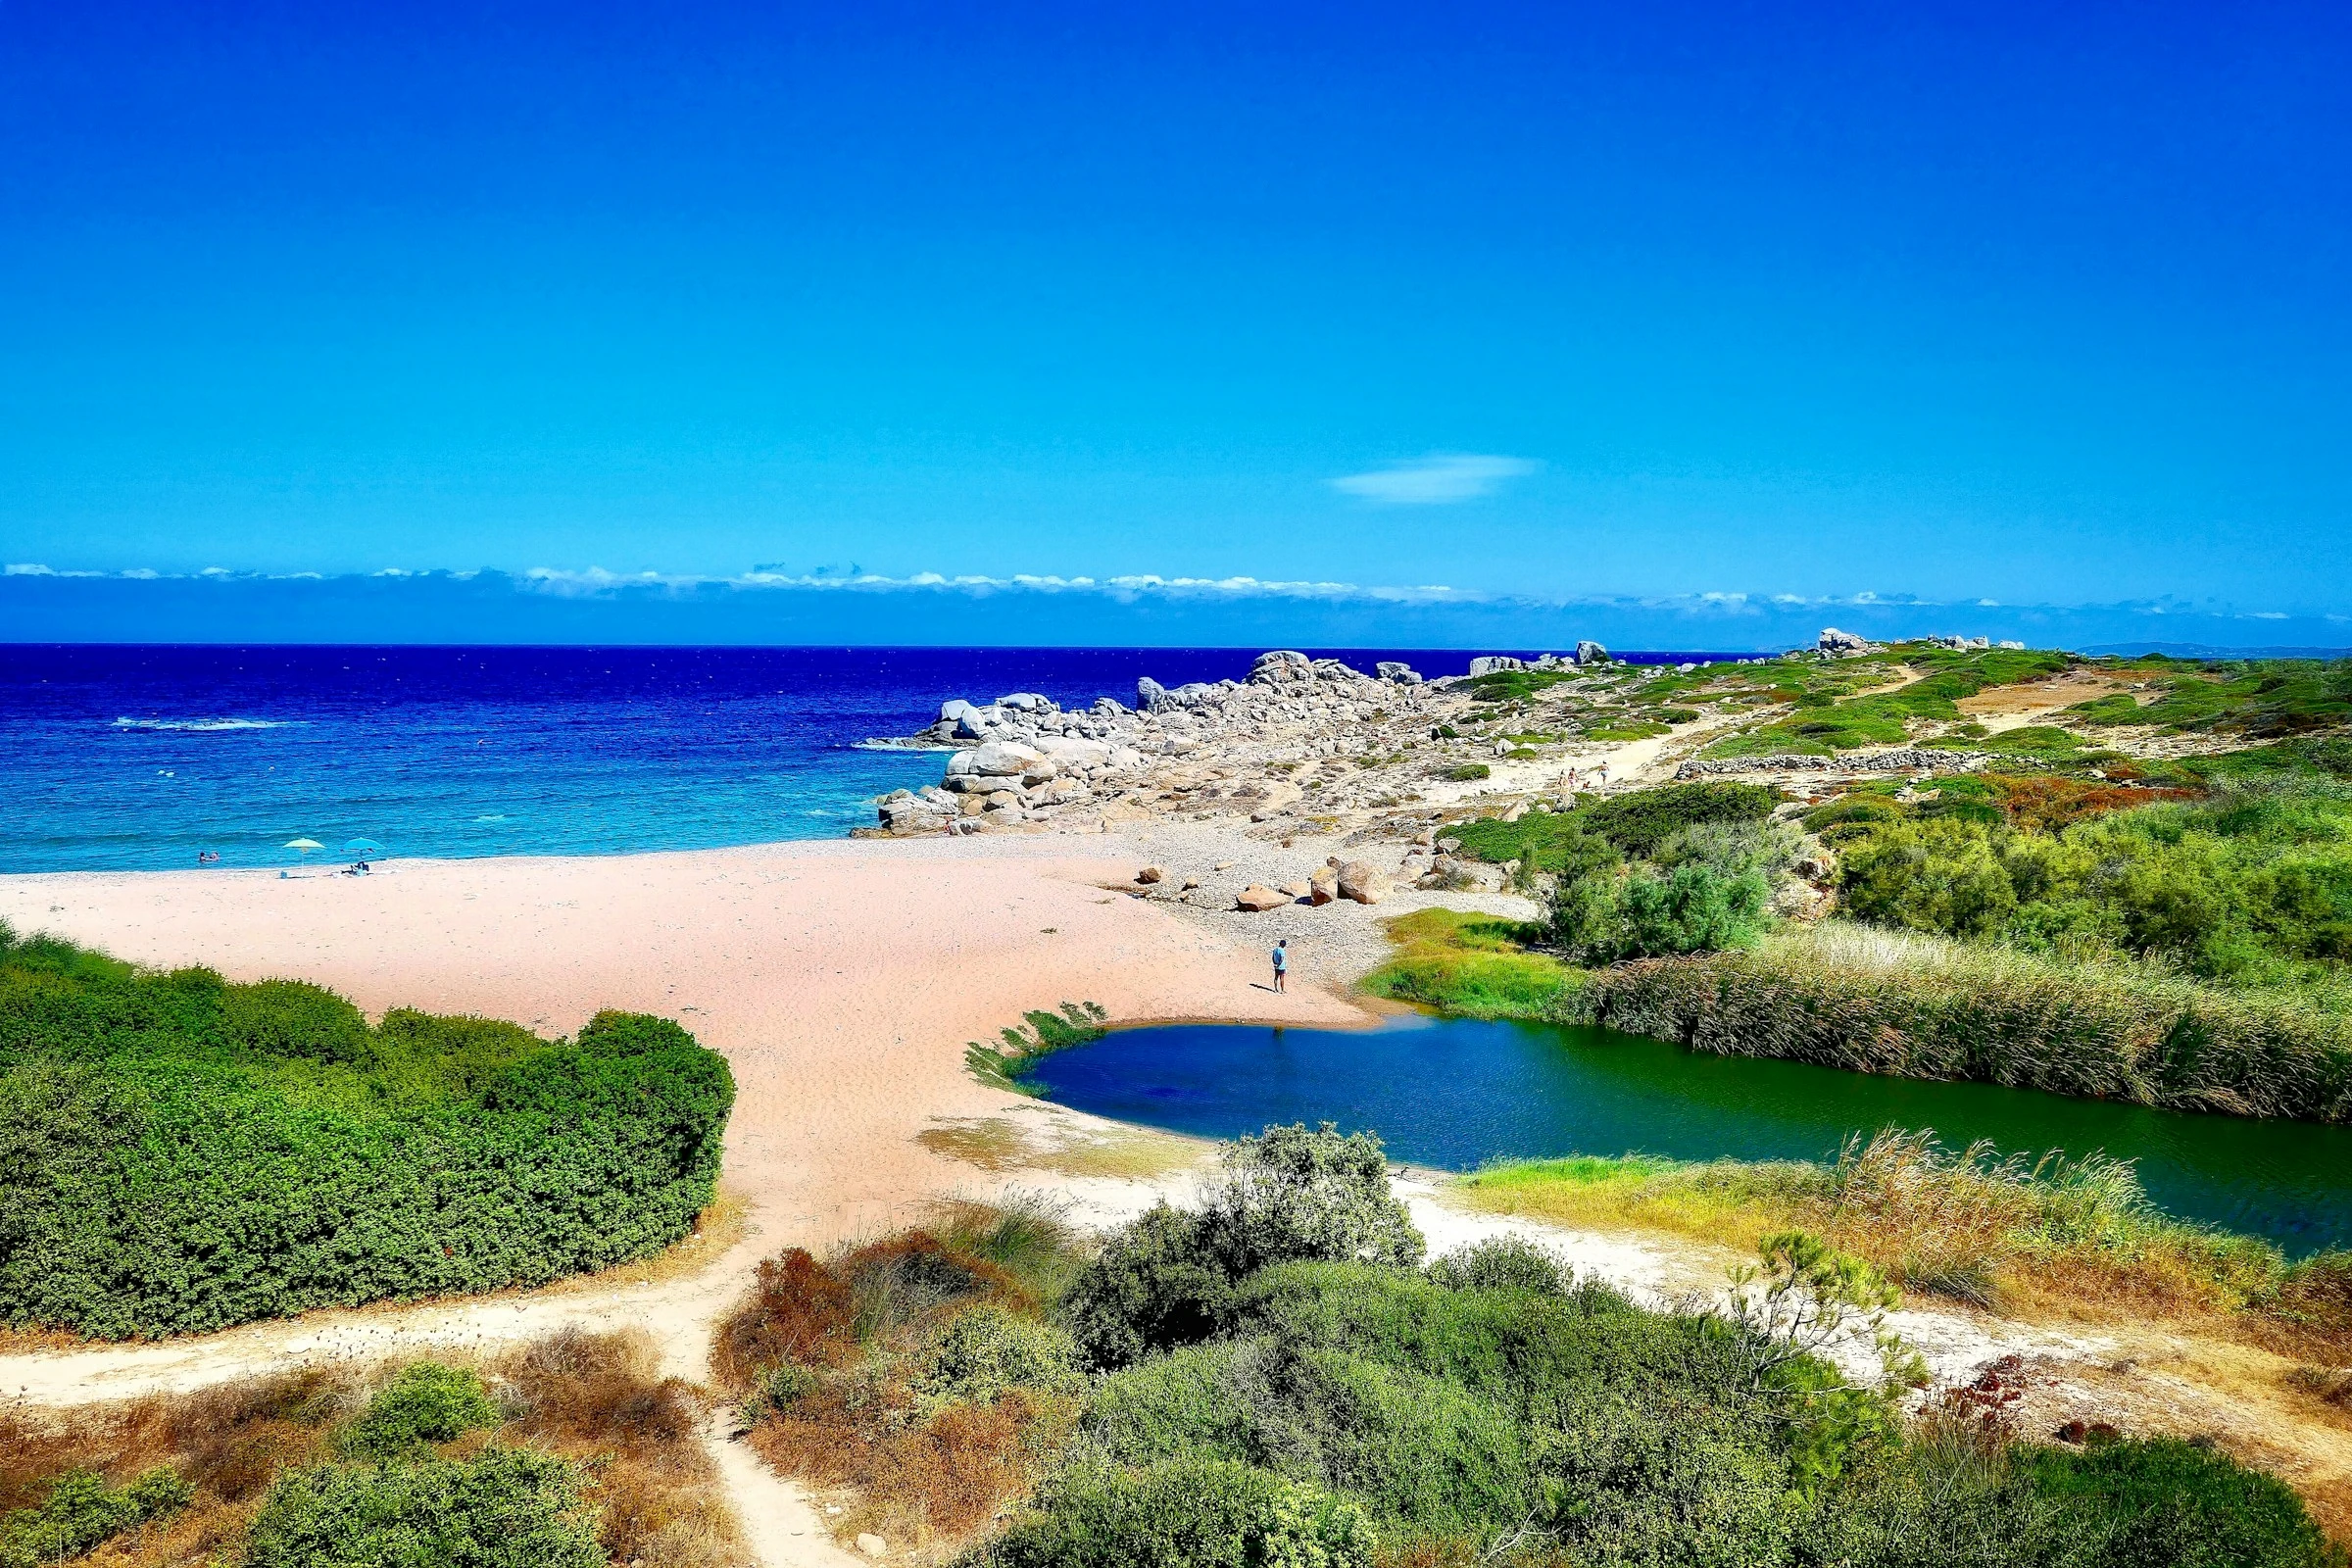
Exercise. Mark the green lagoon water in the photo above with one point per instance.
(1456, 1093)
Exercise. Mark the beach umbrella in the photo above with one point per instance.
(365, 849)
(306, 846)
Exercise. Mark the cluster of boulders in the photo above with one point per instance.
(1357, 881)
(1588, 653)
(1904, 760)
(1024, 758)
(1006, 781)
(1021, 715)
(1284, 673)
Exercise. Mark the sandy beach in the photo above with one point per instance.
(841, 980)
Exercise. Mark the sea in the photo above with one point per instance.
(117, 758)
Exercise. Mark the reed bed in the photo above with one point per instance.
(2077, 1237)
(1877, 1000)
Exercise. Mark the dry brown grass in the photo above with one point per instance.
(601, 1397)
(928, 1485)
(849, 1333)
(593, 1397)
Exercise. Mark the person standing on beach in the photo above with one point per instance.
(1282, 963)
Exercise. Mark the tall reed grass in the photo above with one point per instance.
(1877, 1000)
(1971, 1224)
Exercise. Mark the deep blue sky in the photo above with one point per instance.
(2041, 304)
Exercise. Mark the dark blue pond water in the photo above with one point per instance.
(1456, 1093)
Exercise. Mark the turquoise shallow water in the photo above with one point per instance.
(1456, 1093)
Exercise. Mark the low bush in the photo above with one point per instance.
(1606, 917)
(595, 1403)
(1466, 772)
(1419, 1452)
(81, 1512)
(1184, 1513)
(1287, 1195)
(501, 1506)
(1640, 822)
(425, 1404)
(2252, 885)
(1503, 1263)
(990, 1350)
(2182, 1504)
(183, 1154)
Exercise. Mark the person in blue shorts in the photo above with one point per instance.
(1282, 961)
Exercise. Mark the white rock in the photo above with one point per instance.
(873, 1545)
(1005, 759)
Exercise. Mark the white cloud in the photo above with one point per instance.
(26, 569)
(1438, 480)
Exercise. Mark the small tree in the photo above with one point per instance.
(1807, 1297)
(1607, 916)
(1290, 1195)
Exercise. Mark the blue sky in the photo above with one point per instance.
(2043, 305)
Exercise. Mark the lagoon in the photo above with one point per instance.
(1456, 1093)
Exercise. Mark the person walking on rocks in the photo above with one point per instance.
(1282, 963)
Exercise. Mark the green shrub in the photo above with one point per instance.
(1557, 842)
(1503, 1263)
(1640, 822)
(1184, 1513)
(1938, 876)
(986, 1350)
(2253, 885)
(2168, 1504)
(1467, 772)
(426, 1404)
(1157, 1283)
(1417, 1451)
(502, 1508)
(1293, 1192)
(1288, 1194)
(1648, 1437)
(185, 1154)
(1606, 916)
(81, 1511)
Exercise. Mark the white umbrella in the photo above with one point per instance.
(304, 845)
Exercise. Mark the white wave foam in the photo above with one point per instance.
(882, 744)
(205, 723)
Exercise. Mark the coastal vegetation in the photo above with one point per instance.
(1272, 1378)
(2181, 946)
(2031, 1237)
(572, 1452)
(1041, 1031)
(183, 1154)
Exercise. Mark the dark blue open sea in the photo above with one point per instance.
(138, 758)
